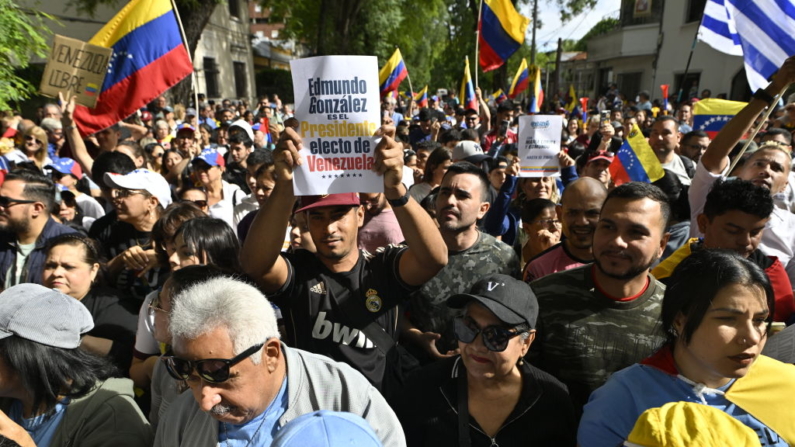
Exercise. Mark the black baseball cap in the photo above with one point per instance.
(510, 299)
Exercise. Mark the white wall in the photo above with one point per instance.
(717, 69)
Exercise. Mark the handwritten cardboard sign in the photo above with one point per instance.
(539, 145)
(75, 68)
(337, 106)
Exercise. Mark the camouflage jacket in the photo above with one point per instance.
(583, 336)
(428, 311)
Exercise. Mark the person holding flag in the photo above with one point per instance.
(768, 167)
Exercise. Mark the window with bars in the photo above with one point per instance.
(211, 78)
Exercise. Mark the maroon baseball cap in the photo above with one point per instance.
(601, 155)
(345, 199)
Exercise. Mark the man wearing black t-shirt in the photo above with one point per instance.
(331, 299)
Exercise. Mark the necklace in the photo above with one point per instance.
(226, 435)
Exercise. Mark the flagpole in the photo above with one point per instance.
(756, 130)
(687, 67)
(408, 78)
(187, 50)
(477, 41)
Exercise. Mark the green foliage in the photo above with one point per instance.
(604, 26)
(273, 80)
(23, 35)
(572, 8)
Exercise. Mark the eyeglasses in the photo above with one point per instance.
(210, 370)
(495, 338)
(7, 202)
(123, 193)
(31, 138)
(548, 222)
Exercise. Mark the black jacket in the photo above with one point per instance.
(428, 410)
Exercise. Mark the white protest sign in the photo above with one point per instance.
(539, 145)
(337, 106)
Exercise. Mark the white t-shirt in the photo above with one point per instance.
(90, 206)
(778, 239)
(225, 208)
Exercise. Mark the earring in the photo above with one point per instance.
(521, 361)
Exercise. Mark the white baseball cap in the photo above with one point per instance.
(143, 179)
(243, 124)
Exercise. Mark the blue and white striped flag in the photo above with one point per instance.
(762, 31)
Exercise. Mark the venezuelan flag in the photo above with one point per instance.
(584, 105)
(467, 92)
(711, 114)
(499, 96)
(148, 58)
(635, 161)
(571, 103)
(537, 93)
(520, 81)
(501, 30)
(393, 73)
(421, 98)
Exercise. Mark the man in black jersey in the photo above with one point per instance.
(339, 301)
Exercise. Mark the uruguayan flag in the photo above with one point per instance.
(762, 31)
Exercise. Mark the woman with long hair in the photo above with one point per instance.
(435, 167)
(716, 315)
(56, 394)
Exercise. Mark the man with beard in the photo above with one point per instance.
(597, 319)
(579, 213)
(472, 255)
(26, 199)
(340, 300)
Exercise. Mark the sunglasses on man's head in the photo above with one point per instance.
(210, 370)
(601, 154)
(495, 338)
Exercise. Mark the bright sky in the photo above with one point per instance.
(551, 29)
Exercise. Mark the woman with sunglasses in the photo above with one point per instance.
(139, 199)
(488, 395)
(33, 148)
(73, 267)
(716, 315)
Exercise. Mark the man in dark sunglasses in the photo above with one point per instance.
(26, 198)
(245, 384)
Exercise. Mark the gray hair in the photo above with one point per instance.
(161, 124)
(224, 303)
(50, 124)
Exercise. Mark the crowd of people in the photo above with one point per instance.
(163, 285)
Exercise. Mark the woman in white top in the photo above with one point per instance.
(67, 173)
(221, 195)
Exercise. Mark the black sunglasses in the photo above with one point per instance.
(495, 338)
(6, 202)
(199, 203)
(210, 370)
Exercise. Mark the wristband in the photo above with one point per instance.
(397, 203)
(762, 95)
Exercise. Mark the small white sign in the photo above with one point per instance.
(337, 106)
(539, 145)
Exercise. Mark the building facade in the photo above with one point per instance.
(651, 47)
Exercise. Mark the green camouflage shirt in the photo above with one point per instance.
(584, 336)
(428, 311)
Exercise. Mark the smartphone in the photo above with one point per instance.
(605, 114)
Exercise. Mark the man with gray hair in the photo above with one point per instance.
(55, 136)
(227, 349)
